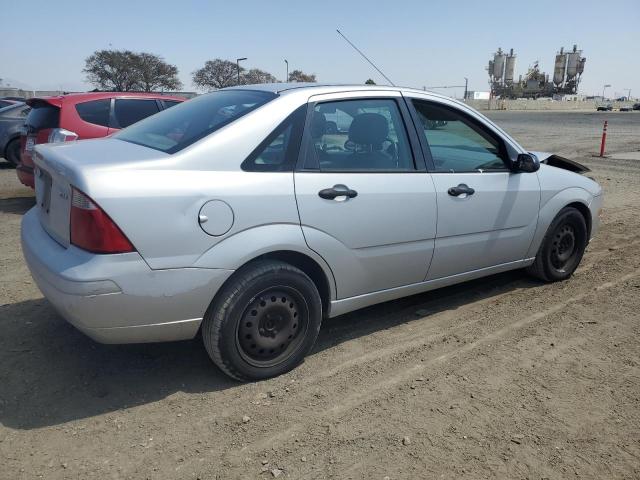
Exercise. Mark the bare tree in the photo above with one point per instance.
(156, 74)
(255, 75)
(112, 70)
(217, 73)
(300, 76)
(124, 70)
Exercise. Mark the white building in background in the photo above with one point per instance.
(474, 95)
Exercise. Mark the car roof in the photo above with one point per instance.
(283, 88)
(73, 98)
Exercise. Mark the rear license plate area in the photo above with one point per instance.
(45, 193)
(31, 142)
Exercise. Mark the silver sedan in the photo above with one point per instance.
(250, 214)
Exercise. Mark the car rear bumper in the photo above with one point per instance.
(118, 298)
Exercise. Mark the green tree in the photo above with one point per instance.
(370, 82)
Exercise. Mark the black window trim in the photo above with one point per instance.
(297, 121)
(475, 124)
(414, 145)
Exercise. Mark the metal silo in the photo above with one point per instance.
(581, 65)
(509, 69)
(498, 65)
(559, 68)
(573, 63)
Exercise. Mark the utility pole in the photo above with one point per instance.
(287, 77)
(466, 84)
(238, 60)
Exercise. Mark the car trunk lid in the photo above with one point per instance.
(61, 167)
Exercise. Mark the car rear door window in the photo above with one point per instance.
(279, 151)
(95, 111)
(129, 111)
(363, 135)
(458, 143)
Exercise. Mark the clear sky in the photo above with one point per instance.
(416, 43)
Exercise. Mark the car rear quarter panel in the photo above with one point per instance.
(156, 202)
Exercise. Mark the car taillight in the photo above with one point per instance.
(92, 229)
(58, 135)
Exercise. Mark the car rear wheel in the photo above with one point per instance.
(263, 322)
(13, 152)
(562, 247)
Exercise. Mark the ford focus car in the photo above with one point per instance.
(244, 215)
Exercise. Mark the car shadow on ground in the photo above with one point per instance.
(50, 373)
(16, 205)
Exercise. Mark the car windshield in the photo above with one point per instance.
(178, 127)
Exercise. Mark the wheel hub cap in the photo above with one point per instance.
(563, 247)
(269, 326)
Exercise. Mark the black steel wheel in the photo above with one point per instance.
(562, 247)
(263, 322)
(273, 326)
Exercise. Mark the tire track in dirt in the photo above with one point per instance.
(377, 389)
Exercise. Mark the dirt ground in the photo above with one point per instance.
(502, 377)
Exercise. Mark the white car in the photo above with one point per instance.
(236, 214)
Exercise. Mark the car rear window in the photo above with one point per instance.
(170, 103)
(178, 127)
(43, 115)
(95, 111)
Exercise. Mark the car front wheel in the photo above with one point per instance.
(263, 322)
(562, 247)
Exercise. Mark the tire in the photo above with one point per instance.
(12, 152)
(562, 247)
(263, 322)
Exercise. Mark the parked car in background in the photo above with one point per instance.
(636, 106)
(12, 119)
(6, 102)
(237, 215)
(605, 107)
(81, 116)
(626, 108)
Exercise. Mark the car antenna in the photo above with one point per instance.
(365, 57)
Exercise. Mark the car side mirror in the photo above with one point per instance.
(527, 163)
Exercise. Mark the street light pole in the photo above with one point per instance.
(238, 60)
(287, 77)
(466, 84)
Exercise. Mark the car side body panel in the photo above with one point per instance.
(162, 291)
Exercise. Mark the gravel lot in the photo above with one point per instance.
(502, 377)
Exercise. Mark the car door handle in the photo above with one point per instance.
(337, 191)
(463, 188)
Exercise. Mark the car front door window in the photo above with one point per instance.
(457, 143)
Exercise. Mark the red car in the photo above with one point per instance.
(79, 116)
